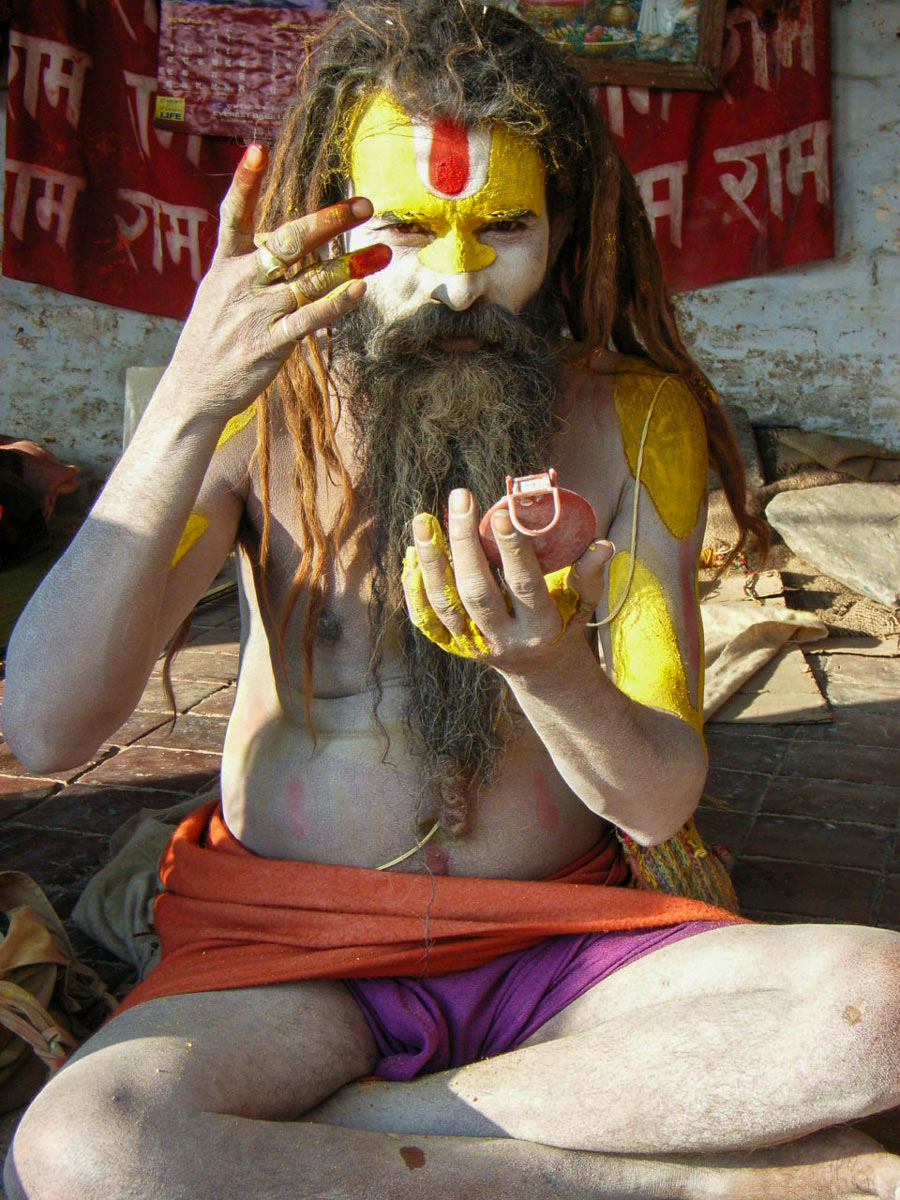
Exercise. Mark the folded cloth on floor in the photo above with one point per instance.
(231, 918)
(849, 456)
(741, 636)
(42, 473)
(116, 906)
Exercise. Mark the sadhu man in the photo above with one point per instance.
(442, 278)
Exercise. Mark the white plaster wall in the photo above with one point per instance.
(817, 346)
(64, 362)
(814, 346)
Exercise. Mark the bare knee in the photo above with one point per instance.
(856, 989)
(90, 1134)
(50, 1152)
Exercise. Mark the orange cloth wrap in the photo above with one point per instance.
(231, 918)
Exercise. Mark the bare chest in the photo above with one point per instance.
(586, 452)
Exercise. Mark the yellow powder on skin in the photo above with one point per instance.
(196, 526)
(236, 424)
(514, 181)
(470, 643)
(646, 661)
(675, 453)
(564, 595)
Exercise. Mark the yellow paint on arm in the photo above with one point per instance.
(197, 523)
(236, 424)
(675, 453)
(196, 526)
(646, 661)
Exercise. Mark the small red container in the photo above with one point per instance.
(562, 523)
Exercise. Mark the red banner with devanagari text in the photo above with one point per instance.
(738, 182)
(103, 204)
(98, 202)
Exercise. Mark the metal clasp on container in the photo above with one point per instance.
(524, 490)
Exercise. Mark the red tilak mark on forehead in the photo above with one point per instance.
(448, 162)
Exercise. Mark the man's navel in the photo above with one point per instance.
(329, 628)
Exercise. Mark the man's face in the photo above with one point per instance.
(463, 211)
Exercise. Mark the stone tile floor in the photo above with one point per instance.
(811, 812)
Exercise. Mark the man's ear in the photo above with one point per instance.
(560, 228)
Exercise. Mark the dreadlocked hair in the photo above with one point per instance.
(474, 63)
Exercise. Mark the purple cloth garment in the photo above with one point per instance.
(425, 1025)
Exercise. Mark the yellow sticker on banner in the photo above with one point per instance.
(169, 108)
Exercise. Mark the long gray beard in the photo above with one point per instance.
(428, 421)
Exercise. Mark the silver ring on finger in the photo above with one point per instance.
(269, 267)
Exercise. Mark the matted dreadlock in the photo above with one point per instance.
(474, 63)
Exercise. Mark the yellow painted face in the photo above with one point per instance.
(458, 184)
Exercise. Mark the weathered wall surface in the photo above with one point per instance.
(813, 346)
(64, 363)
(817, 346)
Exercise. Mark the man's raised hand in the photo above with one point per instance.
(246, 317)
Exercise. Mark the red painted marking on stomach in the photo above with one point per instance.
(448, 161)
(547, 811)
(686, 567)
(295, 807)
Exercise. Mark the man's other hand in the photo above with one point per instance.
(453, 598)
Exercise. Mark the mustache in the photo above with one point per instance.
(498, 329)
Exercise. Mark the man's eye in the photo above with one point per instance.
(406, 228)
(511, 226)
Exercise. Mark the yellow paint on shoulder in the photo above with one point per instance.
(675, 453)
(196, 526)
(236, 424)
(646, 661)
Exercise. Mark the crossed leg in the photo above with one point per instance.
(659, 1081)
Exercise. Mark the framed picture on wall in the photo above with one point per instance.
(647, 43)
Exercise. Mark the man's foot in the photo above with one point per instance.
(834, 1164)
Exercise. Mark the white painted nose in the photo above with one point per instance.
(459, 291)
